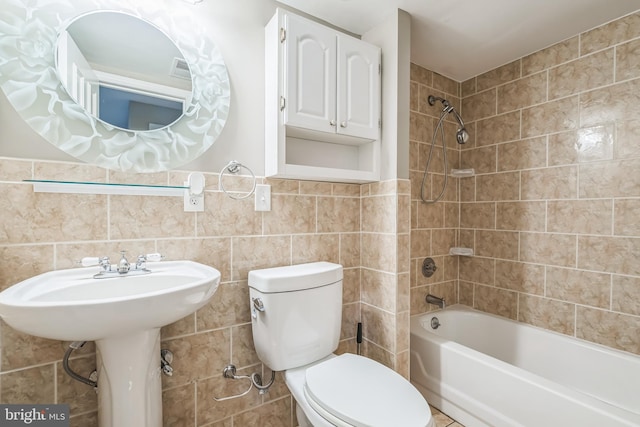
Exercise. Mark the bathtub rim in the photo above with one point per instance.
(465, 308)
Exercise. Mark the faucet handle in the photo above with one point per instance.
(143, 259)
(154, 257)
(91, 261)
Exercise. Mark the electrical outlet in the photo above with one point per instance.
(263, 197)
(193, 203)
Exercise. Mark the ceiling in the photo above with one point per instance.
(461, 39)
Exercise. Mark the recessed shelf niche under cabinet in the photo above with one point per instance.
(322, 102)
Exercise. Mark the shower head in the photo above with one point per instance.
(462, 136)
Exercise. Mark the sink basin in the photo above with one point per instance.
(71, 305)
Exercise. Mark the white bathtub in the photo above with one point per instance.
(485, 370)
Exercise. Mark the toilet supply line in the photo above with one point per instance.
(229, 372)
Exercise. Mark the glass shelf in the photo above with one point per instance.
(73, 187)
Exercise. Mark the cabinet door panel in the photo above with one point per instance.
(358, 88)
(310, 80)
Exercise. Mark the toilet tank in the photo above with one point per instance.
(296, 313)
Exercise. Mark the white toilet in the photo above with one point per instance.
(296, 320)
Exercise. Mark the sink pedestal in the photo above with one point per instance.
(130, 380)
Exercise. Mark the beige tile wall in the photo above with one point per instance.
(386, 213)
(433, 226)
(310, 221)
(553, 211)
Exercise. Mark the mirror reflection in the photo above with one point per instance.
(124, 71)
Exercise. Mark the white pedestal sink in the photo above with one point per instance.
(123, 315)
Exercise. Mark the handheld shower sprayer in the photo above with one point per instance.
(462, 136)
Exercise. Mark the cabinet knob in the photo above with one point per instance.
(332, 122)
(343, 124)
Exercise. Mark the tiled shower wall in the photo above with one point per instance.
(309, 221)
(553, 211)
(433, 225)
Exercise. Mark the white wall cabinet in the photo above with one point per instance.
(322, 103)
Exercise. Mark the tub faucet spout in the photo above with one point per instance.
(432, 299)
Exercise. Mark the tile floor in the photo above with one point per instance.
(442, 420)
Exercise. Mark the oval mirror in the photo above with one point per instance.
(123, 71)
(194, 85)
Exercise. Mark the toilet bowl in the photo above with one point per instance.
(354, 391)
(296, 316)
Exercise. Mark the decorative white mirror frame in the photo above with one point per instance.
(28, 77)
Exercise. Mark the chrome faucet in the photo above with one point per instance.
(123, 264)
(432, 299)
(123, 268)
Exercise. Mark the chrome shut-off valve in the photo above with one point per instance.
(166, 358)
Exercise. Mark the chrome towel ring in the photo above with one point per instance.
(233, 168)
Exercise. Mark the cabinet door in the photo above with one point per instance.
(358, 108)
(310, 76)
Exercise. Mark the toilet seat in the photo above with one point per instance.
(354, 391)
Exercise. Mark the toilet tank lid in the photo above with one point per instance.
(295, 277)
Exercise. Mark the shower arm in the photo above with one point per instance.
(448, 108)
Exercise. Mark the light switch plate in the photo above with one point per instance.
(263, 197)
